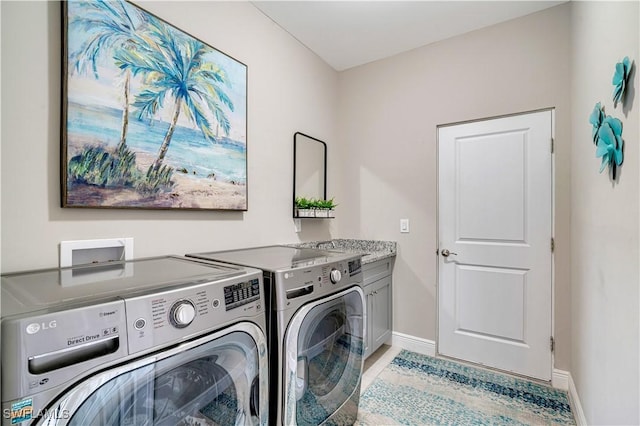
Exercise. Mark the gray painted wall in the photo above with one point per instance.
(604, 221)
(389, 111)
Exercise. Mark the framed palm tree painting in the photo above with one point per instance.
(151, 117)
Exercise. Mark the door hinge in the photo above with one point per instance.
(552, 344)
(552, 145)
(553, 245)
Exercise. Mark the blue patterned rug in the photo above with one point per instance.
(420, 390)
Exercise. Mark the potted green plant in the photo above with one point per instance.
(325, 208)
(311, 207)
(304, 207)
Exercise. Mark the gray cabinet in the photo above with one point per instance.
(378, 292)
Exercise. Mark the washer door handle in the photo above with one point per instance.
(302, 374)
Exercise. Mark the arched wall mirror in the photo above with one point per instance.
(309, 168)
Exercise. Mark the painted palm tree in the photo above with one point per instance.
(175, 68)
(109, 27)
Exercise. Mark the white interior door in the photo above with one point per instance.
(495, 224)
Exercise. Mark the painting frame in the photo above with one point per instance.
(151, 116)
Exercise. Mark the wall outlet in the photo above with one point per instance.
(404, 226)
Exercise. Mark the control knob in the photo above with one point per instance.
(182, 313)
(335, 275)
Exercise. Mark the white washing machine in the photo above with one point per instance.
(316, 331)
(159, 341)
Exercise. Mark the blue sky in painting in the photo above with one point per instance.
(107, 90)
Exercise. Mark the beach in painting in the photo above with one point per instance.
(189, 193)
(215, 175)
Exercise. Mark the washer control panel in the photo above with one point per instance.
(180, 313)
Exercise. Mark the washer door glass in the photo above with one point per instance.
(216, 383)
(327, 338)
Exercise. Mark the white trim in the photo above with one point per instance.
(576, 406)
(565, 382)
(414, 344)
(560, 379)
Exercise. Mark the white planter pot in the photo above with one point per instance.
(306, 213)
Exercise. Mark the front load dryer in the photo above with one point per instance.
(316, 331)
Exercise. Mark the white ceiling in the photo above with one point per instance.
(350, 33)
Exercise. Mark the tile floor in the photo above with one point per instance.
(376, 363)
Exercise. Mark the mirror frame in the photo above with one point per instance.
(324, 186)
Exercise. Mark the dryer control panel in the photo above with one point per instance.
(297, 286)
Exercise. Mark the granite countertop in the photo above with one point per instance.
(371, 250)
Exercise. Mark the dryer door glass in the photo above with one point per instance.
(215, 383)
(329, 353)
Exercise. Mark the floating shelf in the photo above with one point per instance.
(306, 217)
(313, 214)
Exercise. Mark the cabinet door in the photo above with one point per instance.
(381, 314)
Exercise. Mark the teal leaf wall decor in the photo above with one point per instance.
(595, 119)
(609, 144)
(606, 131)
(620, 79)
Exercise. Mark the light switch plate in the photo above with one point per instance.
(404, 226)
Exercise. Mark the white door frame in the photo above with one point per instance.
(553, 219)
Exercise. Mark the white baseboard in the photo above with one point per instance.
(576, 406)
(560, 379)
(563, 380)
(414, 344)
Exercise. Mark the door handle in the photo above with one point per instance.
(447, 253)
